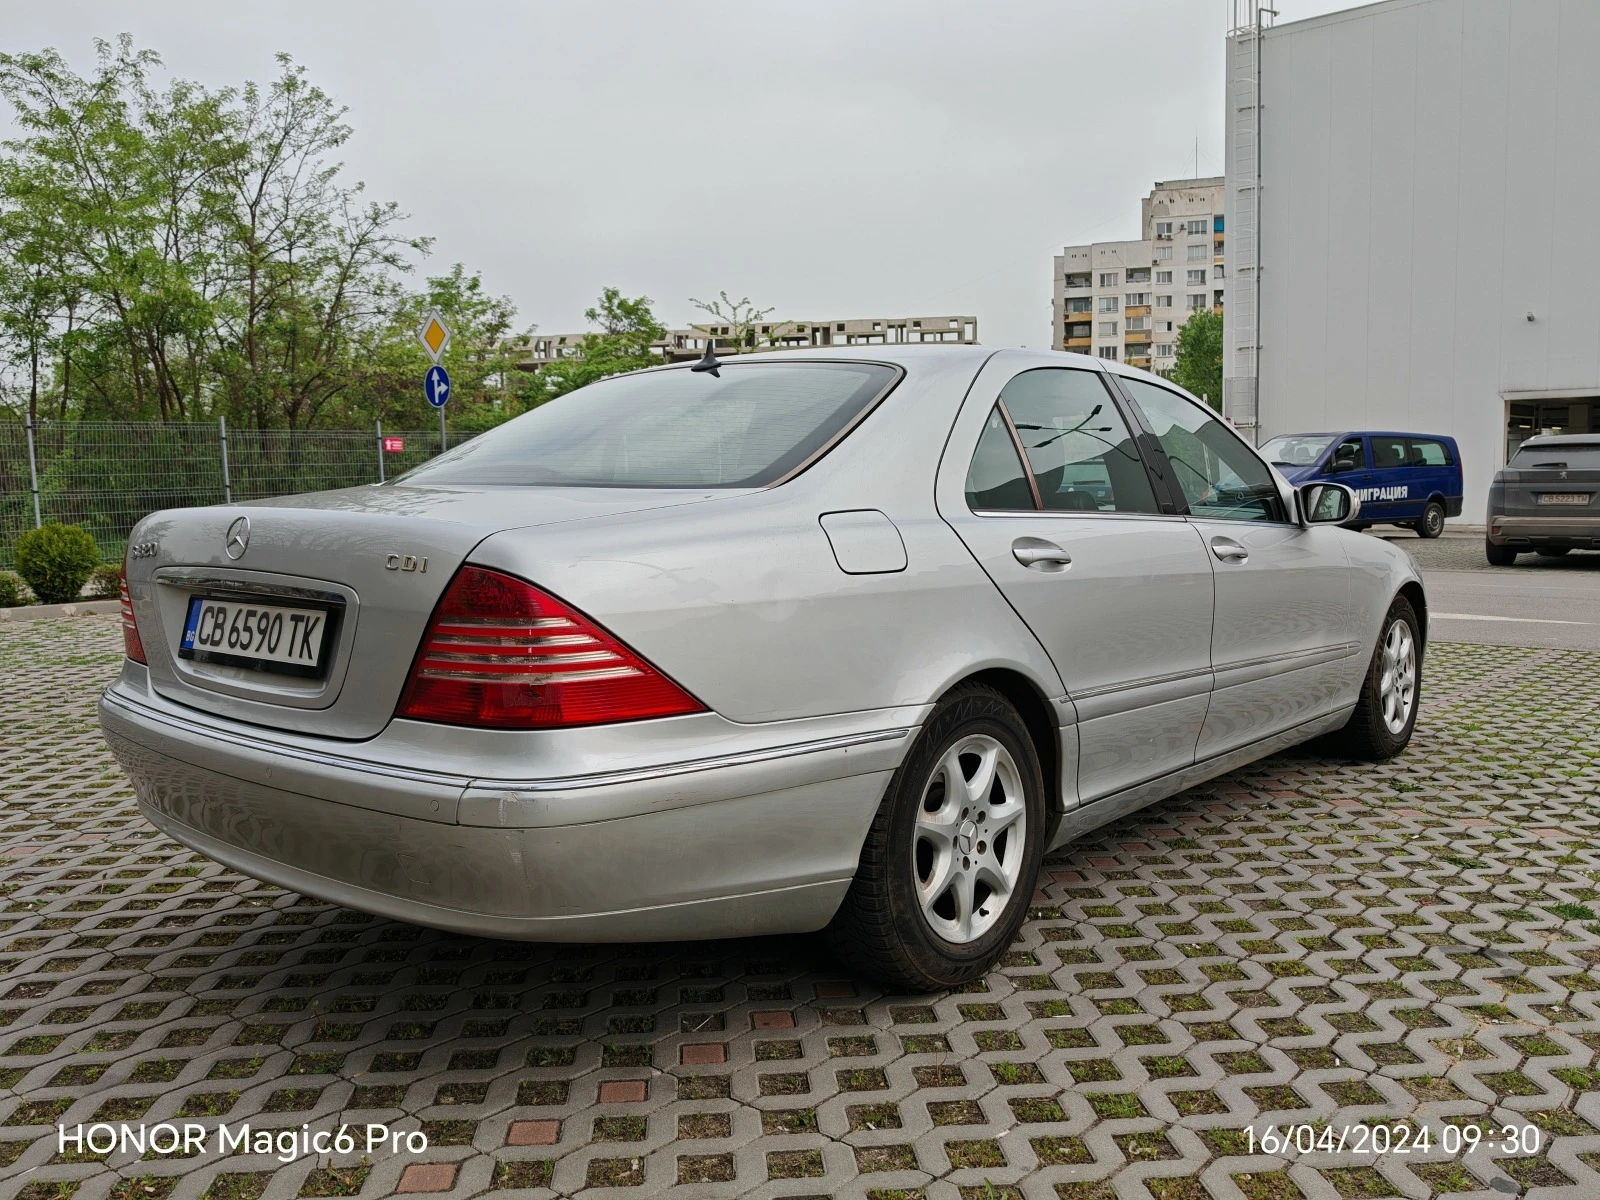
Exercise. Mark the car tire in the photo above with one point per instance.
(893, 925)
(1386, 711)
(1552, 551)
(1498, 556)
(1432, 523)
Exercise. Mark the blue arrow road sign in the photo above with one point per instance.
(436, 386)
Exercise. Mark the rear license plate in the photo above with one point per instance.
(1563, 498)
(264, 637)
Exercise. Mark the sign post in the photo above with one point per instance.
(434, 335)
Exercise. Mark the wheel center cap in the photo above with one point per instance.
(966, 836)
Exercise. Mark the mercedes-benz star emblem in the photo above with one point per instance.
(238, 538)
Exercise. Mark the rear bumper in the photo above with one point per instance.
(740, 845)
(1545, 530)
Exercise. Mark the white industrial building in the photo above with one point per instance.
(1413, 216)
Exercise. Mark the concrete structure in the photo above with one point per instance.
(680, 344)
(1429, 216)
(1127, 300)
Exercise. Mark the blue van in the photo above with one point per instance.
(1410, 479)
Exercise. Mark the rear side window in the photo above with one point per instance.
(1079, 450)
(1389, 452)
(752, 426)
(1425, 453)
(996, 481)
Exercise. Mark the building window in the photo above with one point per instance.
(1163, 253)
(1136, 275)
(1165, 326)
(1108, 352)
(1199, 252)
(1163, 229)
(1163, 349)
(1197, 301)
(1198, 225)
(1164, 276)
(1081, 305)
(1108, 304)
(1134, 299)
(1108, 329)
(1108, 279)
(1136, 323)
(1197, 277)
(1163, 301)
(1217, 272)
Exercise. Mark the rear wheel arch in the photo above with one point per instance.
(1036, 714)
(1413, 592)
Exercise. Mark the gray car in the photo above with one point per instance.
(1546, 499)
(784, 643)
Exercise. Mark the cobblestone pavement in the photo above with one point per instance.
(1466, 554)
(1303, 942)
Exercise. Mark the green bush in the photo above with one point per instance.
(105, 582)
(13, 592)
(56, 561)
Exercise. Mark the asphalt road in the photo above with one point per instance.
(1546, 603)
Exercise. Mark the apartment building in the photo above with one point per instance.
(681, 344)
(1127, 300)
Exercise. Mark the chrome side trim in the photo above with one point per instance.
(565, 783)
(1149, 681)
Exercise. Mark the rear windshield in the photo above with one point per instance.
(1296, 449)
(750, 427)
(1580, 456)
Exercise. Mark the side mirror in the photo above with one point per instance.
(1342, 464)
(1327, 504)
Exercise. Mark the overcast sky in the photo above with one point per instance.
(847, 158)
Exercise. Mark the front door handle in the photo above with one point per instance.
(1228, 550)
(1040, 555)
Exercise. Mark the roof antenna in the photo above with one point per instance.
(709, 362)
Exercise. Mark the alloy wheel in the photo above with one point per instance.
(970, 833)
(1397, 681)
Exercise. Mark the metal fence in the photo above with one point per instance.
(106, 475)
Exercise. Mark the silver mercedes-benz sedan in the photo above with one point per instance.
(842, 640)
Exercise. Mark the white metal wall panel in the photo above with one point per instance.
(1431, 173)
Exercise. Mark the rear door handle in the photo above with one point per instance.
(1040, 555)
(1228, 550)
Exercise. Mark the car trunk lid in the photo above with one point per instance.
(371, 561)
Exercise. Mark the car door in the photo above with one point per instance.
(1047, 488)
(1348, 464)
(1282, 635)
(1390, 495)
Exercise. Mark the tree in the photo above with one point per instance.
(1198, 366)
(183, 253)
(740, 317)
(628, 331)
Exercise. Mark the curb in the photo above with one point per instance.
(44, 612)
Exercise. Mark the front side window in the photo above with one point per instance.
(1217, 473)
(751, 427)
(1080, 452)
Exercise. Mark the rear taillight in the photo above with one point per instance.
(500, 653)
(131, 645)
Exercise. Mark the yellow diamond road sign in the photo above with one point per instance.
(434, 335)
